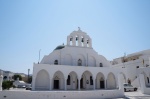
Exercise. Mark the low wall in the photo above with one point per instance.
(93, 94)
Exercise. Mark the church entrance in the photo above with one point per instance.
(56, 84)
(102, 86)
(81, 83)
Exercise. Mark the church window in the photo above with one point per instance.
(56, 62)
(91, 80)
(79, 62)
(100, 65)
(68, 80)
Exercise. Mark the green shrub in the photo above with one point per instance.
(7, 85)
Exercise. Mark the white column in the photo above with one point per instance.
(74, 41)
(50, 85)
(78, 83)
(79, 40)
(85, 42)
(65, 84)
(93, 83)
(106, 84)
(1, 81)
(33, 82)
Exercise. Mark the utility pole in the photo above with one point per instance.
(28, 75)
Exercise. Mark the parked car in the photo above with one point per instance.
(129, 87)
(28, 87)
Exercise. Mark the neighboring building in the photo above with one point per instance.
(75, 66)
(7, 75)
(19, 83)
(133, 65)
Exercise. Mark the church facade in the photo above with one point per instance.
(74, 66)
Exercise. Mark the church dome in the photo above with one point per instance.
(59, 47)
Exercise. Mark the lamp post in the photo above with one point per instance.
(28, 75)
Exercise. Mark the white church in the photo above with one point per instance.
(75, 66)
(77, 71)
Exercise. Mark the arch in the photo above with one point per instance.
(111, 81)
(71, 41)
(58, 80)
(100, 81)
(91, 61)
(68, 59)
(56, 62)
(86, 82)
(42, 81)
(73, 81)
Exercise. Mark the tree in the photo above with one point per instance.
(7, 84)
(17, 76)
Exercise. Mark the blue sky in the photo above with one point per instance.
(26, 26)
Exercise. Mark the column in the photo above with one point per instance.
(65, 84)
(93, 83)
(50, 85)
(85, 42)
(78, 83)
(106, 84)
(74, 41)
(79, 40)
(1, 80)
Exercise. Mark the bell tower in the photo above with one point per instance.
(79, 38)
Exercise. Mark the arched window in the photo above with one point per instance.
(68, 80)
(91, 80)
(79, 62)
(71, 41)
(147, 79)
(100, 65)
(56, 62)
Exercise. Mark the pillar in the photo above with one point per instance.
(78, 83)
(85, 42)
(79, 40)
(65, 84)
(93, 83)
(50, 85)
(1, 81)
(106, 84)
(74, 41)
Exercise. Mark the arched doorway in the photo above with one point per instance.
(58, 80)
(100, 81)
(72, 81)
(86, 81)
(42, 81)
(111, 81)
